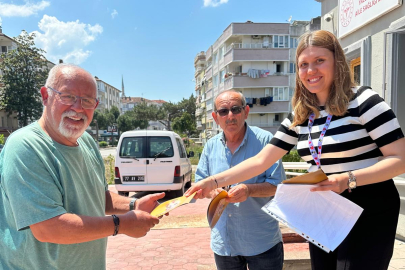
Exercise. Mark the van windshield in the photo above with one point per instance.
(146, 147)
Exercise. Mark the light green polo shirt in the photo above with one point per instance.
(41, 179)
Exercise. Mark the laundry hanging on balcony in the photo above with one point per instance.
(258, 73)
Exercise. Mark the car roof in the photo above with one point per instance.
(149, 133)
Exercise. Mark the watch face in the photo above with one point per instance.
(352, 184)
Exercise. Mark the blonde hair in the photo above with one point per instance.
(340, 93)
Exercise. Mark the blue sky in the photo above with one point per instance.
(151, 43)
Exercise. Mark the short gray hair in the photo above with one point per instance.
(56, 71)
(242, 98)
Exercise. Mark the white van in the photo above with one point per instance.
(152, 160)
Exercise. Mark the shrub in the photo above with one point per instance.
(292, 157)
(103, 144)
(109, 164)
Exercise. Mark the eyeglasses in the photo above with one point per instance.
(234, 110)
(69, 99)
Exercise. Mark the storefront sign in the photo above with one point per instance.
(353, 14)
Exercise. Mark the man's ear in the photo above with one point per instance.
(44, 94)
(215, 116)
(247, 110)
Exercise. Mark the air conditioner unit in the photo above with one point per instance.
(255, 36)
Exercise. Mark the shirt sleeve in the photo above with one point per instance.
(275, 174)
(378, 119)
(202, 171)
(285, 137)
(30, 184)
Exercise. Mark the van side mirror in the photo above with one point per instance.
(190, 154)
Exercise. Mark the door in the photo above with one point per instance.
(161, 160)
(133, 160)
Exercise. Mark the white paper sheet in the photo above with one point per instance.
(324, 218)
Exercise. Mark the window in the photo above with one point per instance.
(160, 145)
(280, 41)
(215, 80)
(215, 58)
(292, 67)
(136, 147)
(221, 52)
(276, 118)
(293, 42)
(182, 151)
(222, 75)
(3, 49)
(355, 66)
(281, 94)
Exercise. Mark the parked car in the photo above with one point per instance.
(152, 160)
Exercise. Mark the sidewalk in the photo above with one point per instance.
(189, 248)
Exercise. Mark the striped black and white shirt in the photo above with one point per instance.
(352, 141)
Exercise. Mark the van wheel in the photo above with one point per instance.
(123, 193)
(180, 192)
(188, 184)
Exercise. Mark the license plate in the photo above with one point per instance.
(134, 178)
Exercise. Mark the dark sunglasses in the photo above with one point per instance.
(234, 110)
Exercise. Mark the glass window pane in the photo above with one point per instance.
(162, 145)
(286, 42)
(275, 41)
(275, 93)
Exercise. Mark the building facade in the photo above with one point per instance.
(129, 103)
(257, 59)
(108, 95)
(372, 34)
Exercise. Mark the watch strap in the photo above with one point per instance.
(116, 224)
(132, 204)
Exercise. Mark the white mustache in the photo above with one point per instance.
(74, 114)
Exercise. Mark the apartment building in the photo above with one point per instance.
(108, 95)
(372, 34)
(200, 65)
(257, 59)
(129, 103)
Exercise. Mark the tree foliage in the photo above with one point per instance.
(24, 72)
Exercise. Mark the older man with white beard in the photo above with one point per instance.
(54, 199)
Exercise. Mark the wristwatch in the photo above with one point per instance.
(352, 184)
(132, 204)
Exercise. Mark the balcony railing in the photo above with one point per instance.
(250, 46)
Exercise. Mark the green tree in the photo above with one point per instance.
(184, 124)
(116, 112)
(1, 139)
(24, 72)
(125, 123)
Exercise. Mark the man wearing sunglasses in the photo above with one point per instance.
(54, 199)
(244, 236)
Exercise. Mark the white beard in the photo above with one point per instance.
(72, 131)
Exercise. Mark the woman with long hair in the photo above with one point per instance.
(353, 135)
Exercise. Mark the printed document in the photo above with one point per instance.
(324, 218)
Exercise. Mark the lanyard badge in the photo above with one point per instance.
(316, 155)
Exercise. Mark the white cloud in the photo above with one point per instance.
(65, 40)
(214, 3)
(114, 13)
(12, 10)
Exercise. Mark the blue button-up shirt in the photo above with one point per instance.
(243, 229)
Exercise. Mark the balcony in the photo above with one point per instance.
(200, 57)
(273, 107)
(198, 70)
(239, 53)
(199, 125)
(199, 111)
(244, 81)
(208, 94)
(208, 73)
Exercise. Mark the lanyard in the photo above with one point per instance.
(317, 155)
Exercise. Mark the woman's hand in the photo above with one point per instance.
(203, 188)
(335, 182)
